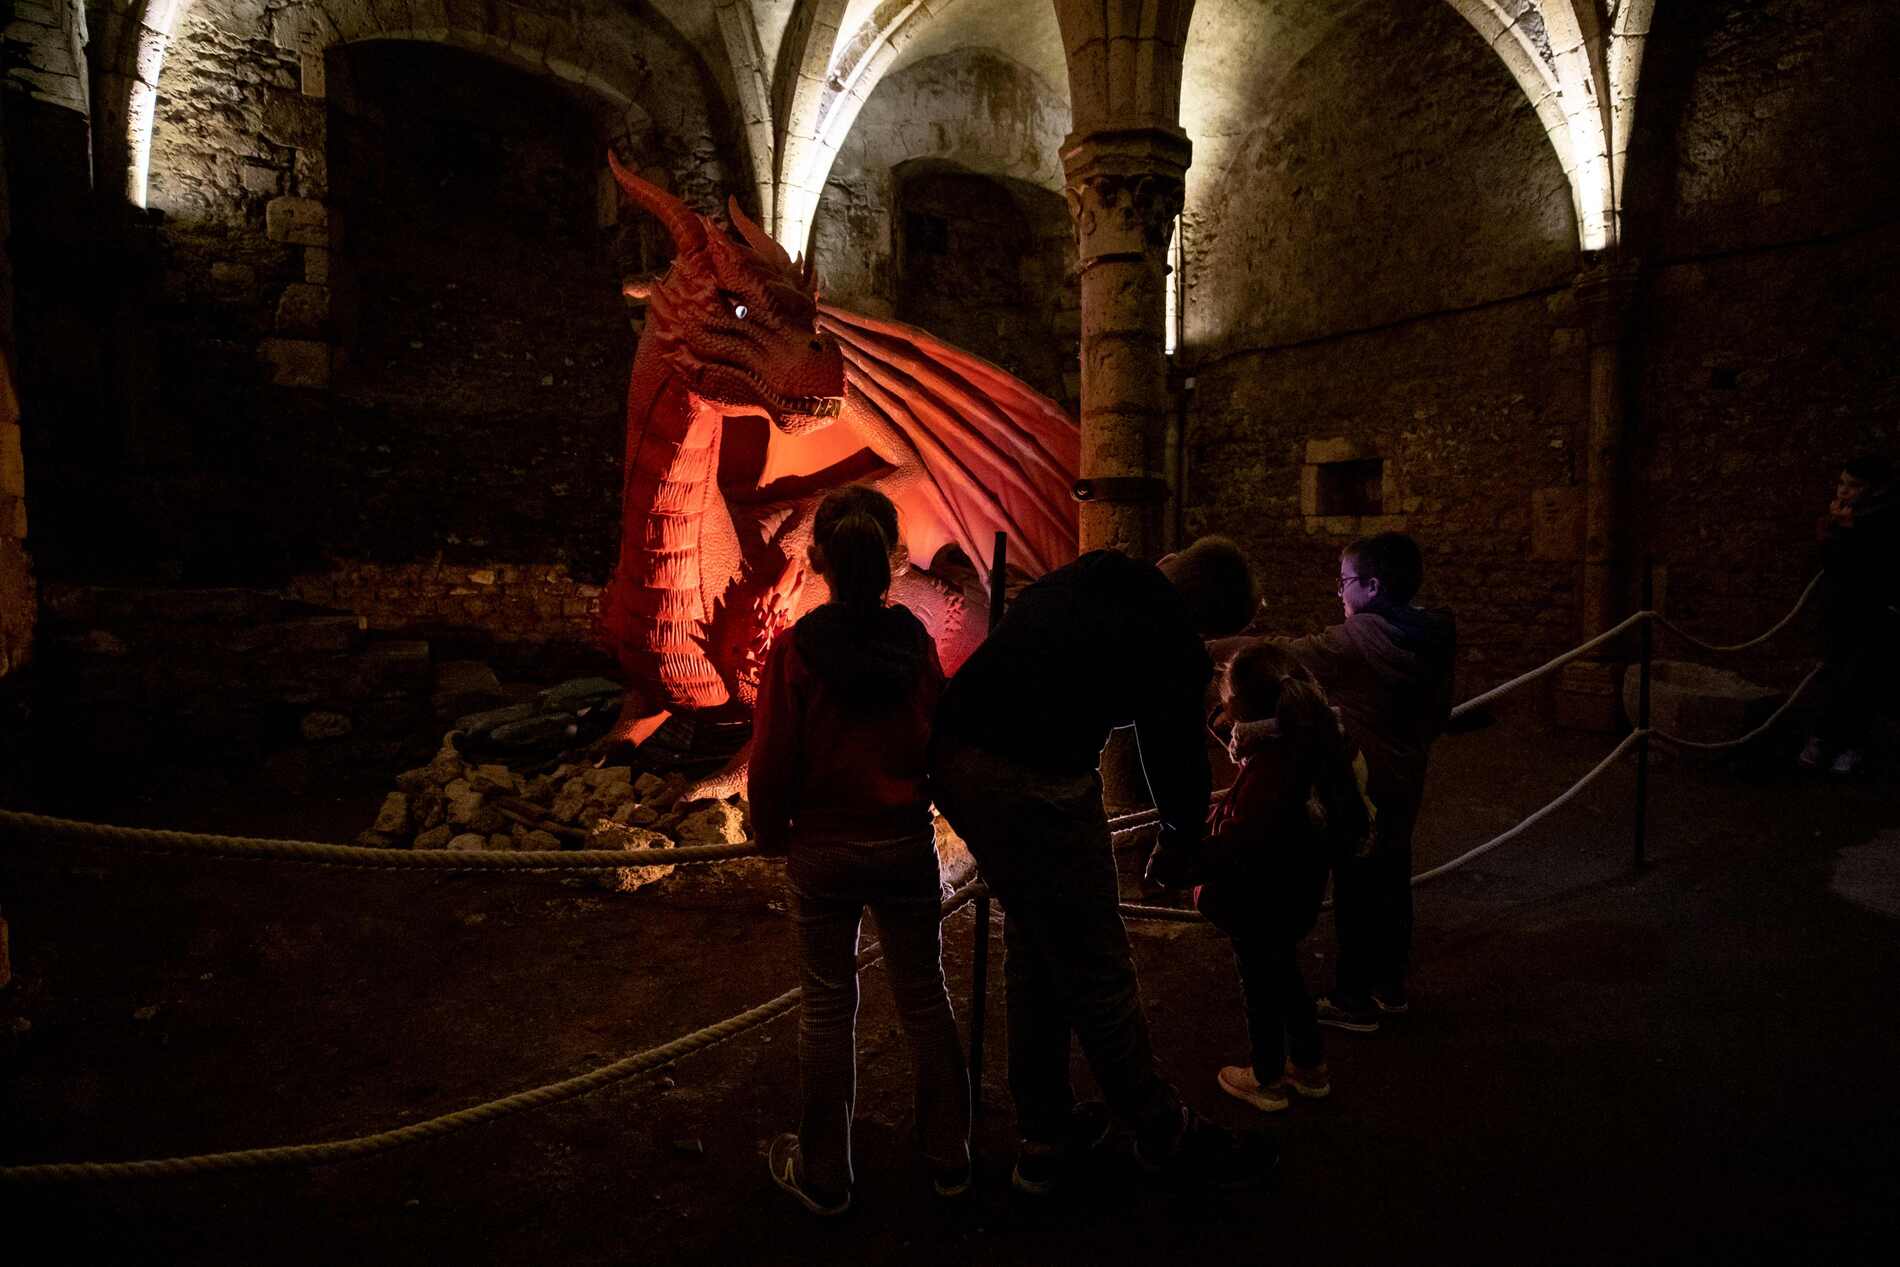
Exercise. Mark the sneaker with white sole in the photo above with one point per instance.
(787, 1173)
(1311, 1082)
(1042, 1164)
(1391, 1002)
(1341, 1013)
(1239, 1082)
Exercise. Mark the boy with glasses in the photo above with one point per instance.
(1388, 669)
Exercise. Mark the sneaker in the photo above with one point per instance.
(1239, 1082)
(1312, 1082)
(1206, 1155)
(1391, 1002)
(1040, 1165)
(1340, 1014)
(1848, 762)
(1812, 755)
(783, 1158)
(952, 1181)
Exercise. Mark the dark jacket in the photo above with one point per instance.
(1099, 643)
(1388, 671)
(1857, 594)
(1263, 864)
(842, 727)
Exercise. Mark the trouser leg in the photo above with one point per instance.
(1043, 847)
(827, 1034)
(912, 937)
(1354, 923)
(1262, 989)
(1296, 1008)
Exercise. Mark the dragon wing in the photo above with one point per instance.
(1002, 456)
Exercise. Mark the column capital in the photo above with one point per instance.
(1124, 189)
(1606, 291)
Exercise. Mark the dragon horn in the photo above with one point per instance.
(758, 239)
(685, 224)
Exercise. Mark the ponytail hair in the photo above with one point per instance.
(1265, 681)
(856, 528)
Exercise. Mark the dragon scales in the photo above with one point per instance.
(749, 401)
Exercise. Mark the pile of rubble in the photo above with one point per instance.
(452, 804)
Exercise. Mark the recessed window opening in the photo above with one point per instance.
(1352, 488)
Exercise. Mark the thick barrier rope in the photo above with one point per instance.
(1181, 915)
(39, 828)
(1724, 744)
(1602, 767)
(1724, 648)
(538, 1097)
(1524, 679)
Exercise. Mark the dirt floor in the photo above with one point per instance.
(1690, 1063)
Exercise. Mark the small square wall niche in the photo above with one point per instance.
(1355, 487)
(1348, 487)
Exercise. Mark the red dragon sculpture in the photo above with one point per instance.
(749, 401)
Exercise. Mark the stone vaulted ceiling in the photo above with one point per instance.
(798, 71)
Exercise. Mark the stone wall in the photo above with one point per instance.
(1383, 275)
(443, 380)
(1771, 332)
(972, 113)
(520, 604)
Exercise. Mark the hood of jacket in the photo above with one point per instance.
(1405, 645)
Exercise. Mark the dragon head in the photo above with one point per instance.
(738, 322)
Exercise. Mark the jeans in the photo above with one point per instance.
(832, 883)
(1042, 845)
(1372, 902)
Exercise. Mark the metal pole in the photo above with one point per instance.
(980, 945)
(1642, 710)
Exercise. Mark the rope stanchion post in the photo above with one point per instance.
(1646, 639)
(980, 935)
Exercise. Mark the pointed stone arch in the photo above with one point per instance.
(1579, 62)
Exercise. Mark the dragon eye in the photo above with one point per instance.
(739, 311)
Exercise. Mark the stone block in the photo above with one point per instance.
(316, 265)
(12, 517)
(303, 309)
(314, 76)
(1557, 524)
(296, 362)
(255, 178)
(312, 174)
(392, 819)
(609, 835)
(1698, 702)
(1340, 449)
(293, 119)
(300, 221)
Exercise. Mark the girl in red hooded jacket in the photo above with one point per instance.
(1295, 801)
(837, 783)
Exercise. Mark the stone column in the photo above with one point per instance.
(1124, 190)
(1587, 696)
(1604, 295)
